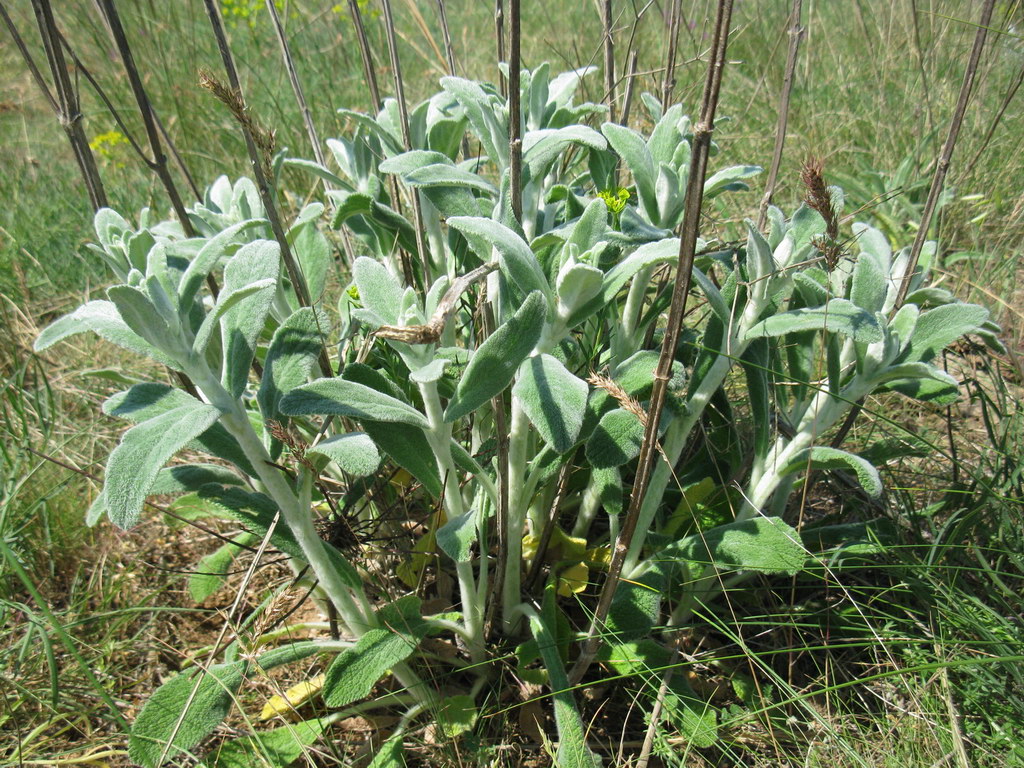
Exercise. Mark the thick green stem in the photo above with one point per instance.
(519, 434)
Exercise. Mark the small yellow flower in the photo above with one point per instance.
(615, 199)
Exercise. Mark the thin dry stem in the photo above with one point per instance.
(702, 131)
(515, 141)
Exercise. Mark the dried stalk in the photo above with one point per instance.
(449, 52)
(366, 54)
(701, 145)
(796, 34)
(307, 116)
(403, 114)
(669, 83)
(609, 59)
(158, 162)
(63, 99)
(939, 178)
(258, 142)
(515, 136)
(627, 101)
(499, 33)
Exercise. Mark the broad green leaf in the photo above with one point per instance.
(211, 571)
(755, 366)
(213, 251)
(186, 478)
(144, 401)
(140, 314)
(288, 654)
(347, 398)
(225, 302)
(156, 722)
(277, 748)
(823, 457)
(838, 316)
(576, 286)
(353, 674)
(354, 452)
(102, 318)
(925, 390)
(291, 358)
(243, 323)
(495, 362)
(631, 147)
(133, 466)
(457, 715)
(616, 440)
(482, 117)
(760, 262)
(937, 328)
(456, 537)
(764, 544)
(542, 146)
(554, 400)
(379, 291)
(730, 179)
(446, 175)
(517, 261)
(317, 170)
(870, 285)
(390, 755)
(407, 162)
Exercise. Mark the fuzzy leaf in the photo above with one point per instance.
(155, 723)
(277, 748)
(553, 399)
(823, 457)
(145, 448)
(353, 674)
(937, 328)
(354, 452)
(347, 398)
(379, 291)
(242, 324)
(542, 146)
(517, 261)
(495, 362)
(103, 319)
(730, 179)
(630, 146)
(616, 440)
(211, 571)
(764, 544)
(290, 360)
(838, 316)
(456, 537)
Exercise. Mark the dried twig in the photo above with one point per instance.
(609, 58)
(366, 53)
(939, 178)
(701, 145)
(499, 34)
(431, 332)
(669, 83)
(796, 34)
(403, 114)
(515, 140)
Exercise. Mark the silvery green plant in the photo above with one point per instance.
(539, 334)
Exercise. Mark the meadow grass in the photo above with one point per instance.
(937, 669)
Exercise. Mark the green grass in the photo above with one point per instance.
(939, 623)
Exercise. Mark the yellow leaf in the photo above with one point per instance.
(293, 698)
(573, 579)
(600, 557)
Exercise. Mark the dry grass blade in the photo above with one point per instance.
(701, 146)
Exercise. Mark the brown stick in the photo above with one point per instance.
(939, 178)
(158, 162)
(796, 33)
(701, 145)
(627, 101)
(366, 54)
(669, 83)
(64, 99)
(307, 116)
(499, 33)
(515, 140)
(259, 159)
(609, 59)
(403, 114)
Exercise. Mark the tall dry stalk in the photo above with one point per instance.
(403, 114)
(63, 99)
(796, 33)
(157, 161)
(499, 34)
(515, 129)
(669, 82)
(701, 146)
(609, 58)
(366, 54)
(941, 168)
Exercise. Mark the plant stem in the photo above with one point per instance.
(939, 178)
(609, 58)
(701, 145)
(796, 34)
(519, 433)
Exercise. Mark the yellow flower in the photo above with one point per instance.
(615, 200)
